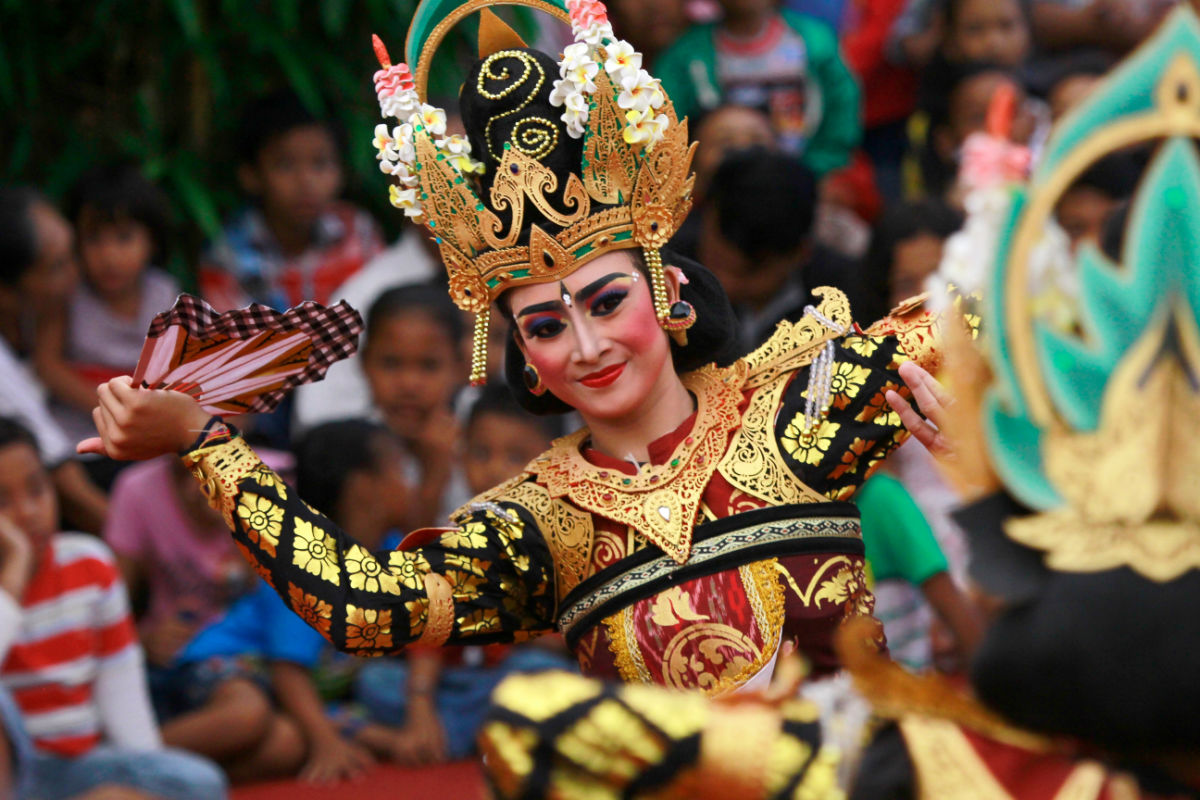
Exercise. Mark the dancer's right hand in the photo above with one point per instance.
(136, 424)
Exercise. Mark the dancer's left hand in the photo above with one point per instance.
(933, 400)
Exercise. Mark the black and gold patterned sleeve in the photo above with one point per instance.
(488, 580)
(834, 449)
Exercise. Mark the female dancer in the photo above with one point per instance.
(699, 519)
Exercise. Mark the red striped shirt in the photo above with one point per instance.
(74, 618)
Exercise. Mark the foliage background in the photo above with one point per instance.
(162, 83)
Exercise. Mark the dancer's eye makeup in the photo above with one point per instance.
(608, 299)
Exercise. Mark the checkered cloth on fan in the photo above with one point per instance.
(245, 360)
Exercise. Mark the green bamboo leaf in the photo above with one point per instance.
(333, 17)
(8, 86)
(65, 170)
(195, 198)
(297, 73)
(18, 156)
(189, 18)
(288, 15)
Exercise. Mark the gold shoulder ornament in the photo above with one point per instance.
(661, 503)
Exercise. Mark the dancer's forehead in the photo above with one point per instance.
(579, 287)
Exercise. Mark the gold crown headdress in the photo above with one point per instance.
(631, 188)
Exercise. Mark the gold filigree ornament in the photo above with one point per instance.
(660, 503)
(1097, 424)
(632, 188)
(1133, 486)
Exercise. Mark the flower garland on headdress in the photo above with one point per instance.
(641, 95)
(395, 147)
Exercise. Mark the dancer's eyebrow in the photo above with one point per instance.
(584, 294)
(549, 305)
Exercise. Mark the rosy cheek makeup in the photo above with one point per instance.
(639, 326)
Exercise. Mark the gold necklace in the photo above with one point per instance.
(660, 502)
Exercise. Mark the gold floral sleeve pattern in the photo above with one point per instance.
(489, 580)
(859, 429)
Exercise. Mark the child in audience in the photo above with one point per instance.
(784, 63)
(906, 247)
(434, 701)
(502, 438)
(296, 241)
(1086, 206)
(37, 271)
(911, 576)
(958, 109)
(414, 362)
(120, 221)
(764, 253)
(70, 656)
(995, 31)
(175, 553)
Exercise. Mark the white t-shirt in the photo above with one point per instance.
(23, 398)
(344, 392)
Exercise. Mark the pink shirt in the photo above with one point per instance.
(191, 573)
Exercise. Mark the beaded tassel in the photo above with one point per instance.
(479, 345)
(820, 378)
(658, 283)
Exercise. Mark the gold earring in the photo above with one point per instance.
(533, 380)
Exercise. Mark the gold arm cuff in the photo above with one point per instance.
(220, 469)
(439, 620)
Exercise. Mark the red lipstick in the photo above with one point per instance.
(602, 378)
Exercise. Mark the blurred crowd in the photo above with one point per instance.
(829, 136)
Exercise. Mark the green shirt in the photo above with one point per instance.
(688, 71)
(898, 539)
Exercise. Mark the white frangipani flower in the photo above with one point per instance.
(622, 61)
(640, 91)
(405, 200)
(433, 119)
(385, 145)
(644, 126)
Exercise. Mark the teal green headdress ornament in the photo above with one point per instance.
(1097, 424)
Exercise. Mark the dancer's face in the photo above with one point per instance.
(594, 337)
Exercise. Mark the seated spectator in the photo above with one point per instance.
(344, 393)
(959, 109)
(296, 241)
(70, 656)
(992, 31)
(911, 576)
(414, 363)
(175, 553)
(762, 252)
(1086, 206)
(781, 62)
(434, 701)
(906, 248)
(718, 133)
(37, 272)
(501, 438)
(120, 221)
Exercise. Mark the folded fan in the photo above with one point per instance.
(245, 360)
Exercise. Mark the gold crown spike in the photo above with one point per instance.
(632, 188)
